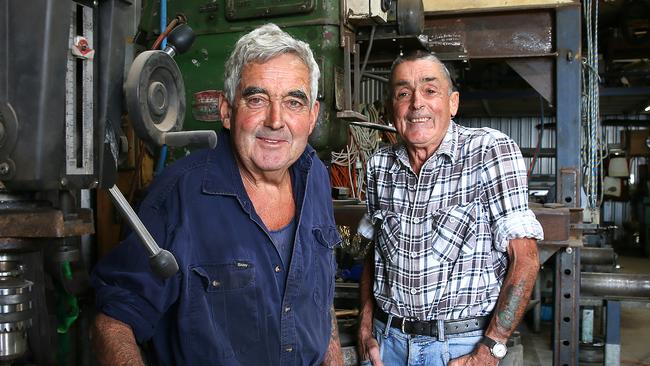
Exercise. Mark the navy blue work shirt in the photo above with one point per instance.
(233, 302)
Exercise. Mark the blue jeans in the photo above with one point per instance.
(397, 348)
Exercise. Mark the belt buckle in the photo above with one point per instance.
(402, 327)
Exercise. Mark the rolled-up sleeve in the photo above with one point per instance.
(125, 287)
(521, 224)
(505, 189)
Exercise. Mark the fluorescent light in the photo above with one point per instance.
(647, 109)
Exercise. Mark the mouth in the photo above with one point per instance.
(271, 141)
(419, 120)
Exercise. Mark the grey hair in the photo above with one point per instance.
(422, 55)
(261, 45)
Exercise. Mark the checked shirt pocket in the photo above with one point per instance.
(454, 230)
(388, 235)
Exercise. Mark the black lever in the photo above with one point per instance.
(179, 40)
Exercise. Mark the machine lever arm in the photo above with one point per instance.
(162, 261)
(199, 139)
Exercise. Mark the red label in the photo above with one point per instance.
(205, 105)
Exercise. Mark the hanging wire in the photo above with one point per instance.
(363, 143)
(593, 149)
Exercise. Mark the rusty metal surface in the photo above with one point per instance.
(45, 223)
(554, 221)
(492, 35)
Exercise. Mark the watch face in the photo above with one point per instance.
(499, 350)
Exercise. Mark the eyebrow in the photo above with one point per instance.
(299, 94)
(426, 79)
(251, 90)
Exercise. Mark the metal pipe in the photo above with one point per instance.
(162, 261)
(377, 77)
(597, 256)
(615, 284)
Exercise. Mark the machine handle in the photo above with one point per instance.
(180, 39)
(204, 138)
(161, 261)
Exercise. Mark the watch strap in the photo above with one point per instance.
(488, 341)
(491, 344)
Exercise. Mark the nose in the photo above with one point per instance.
(274, 118)
(417, 102)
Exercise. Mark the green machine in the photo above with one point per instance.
(329, 26)
(219, 24)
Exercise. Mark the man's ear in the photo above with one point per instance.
(226, 112)
(313, 114)
(454, 100)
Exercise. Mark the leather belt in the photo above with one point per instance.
(430, 328)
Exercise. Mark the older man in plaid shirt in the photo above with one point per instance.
(455, 256)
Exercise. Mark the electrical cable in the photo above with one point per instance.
(593, 150)
(362, 144)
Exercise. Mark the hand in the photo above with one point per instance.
(481, 356)
(368, 347)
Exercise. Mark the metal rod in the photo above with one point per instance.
(347, 77)
(127, 212)
(615, 284)
(375, 77)
(597, 256)
(357, 78)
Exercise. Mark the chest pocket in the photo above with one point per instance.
(454, 230)
(224, 309)
(389, 232)
(325, 240)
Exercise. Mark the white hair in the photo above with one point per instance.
(261, 45)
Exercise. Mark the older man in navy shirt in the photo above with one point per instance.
(251, 226)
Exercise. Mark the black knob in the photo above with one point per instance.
(181, 38)
(163, 264)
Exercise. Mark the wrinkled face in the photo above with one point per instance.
(421, 104)
(271, 119)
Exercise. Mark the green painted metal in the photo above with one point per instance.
(218, 28)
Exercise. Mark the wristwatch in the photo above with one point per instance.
(497, 349)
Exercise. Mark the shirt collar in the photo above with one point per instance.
(222, 174)
(447, 148)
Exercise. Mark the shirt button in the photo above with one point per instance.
(416, 220)
(413, 255)
(414, 291)
(452, 220)
(287, 309)
(277, 269)
(216, 283)
(289, 349)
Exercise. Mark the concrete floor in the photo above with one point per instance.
(635, 329)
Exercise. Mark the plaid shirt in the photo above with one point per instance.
(442, 236)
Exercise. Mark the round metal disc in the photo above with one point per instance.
(410, 17)
(155, 96)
